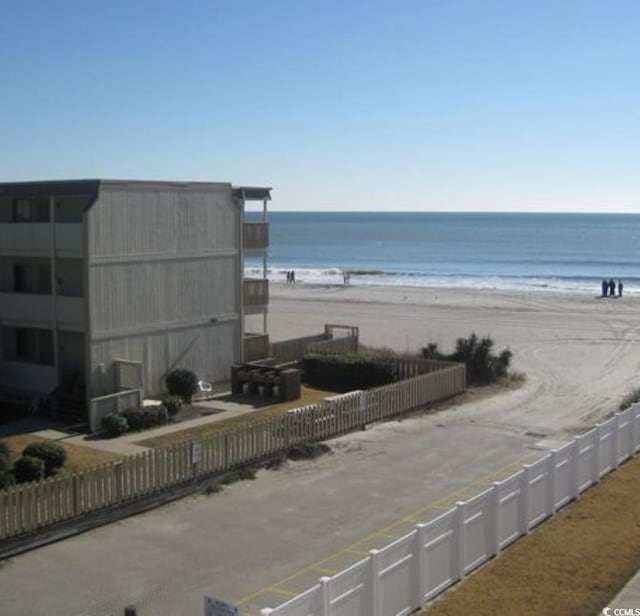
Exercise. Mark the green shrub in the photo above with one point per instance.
(183, 383)
(6, 479)
(345, 372)
(146, 417)
(173, 404)
(28, 468)
(5, 456)
(53, 455)
(630, 398)
(114, 425)
(483, 367)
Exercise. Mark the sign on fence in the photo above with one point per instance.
(216, 607)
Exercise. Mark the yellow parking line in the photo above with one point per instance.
(329, 571)
(444, 502)
(349, 551)
(282, 591)
(381, 533)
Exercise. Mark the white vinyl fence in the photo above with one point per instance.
(404, 575)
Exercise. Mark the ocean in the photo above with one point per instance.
(559, 252)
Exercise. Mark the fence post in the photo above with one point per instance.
(575, 468)
(326, 599)
(421, 564)
(525, 489)
(595, 469)
(314, 418)
(287, 430)
(119, 481)
(374, 572)
(551, 483)
(226, 450)
(495, 498)
(460, 520)
(632, 431)
(76, 494)
(616, 440)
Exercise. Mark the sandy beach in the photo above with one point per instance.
(580, 352)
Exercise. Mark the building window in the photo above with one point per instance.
(32, 278)
(30, 210)
(34, 346)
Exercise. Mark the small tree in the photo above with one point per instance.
(5, 456)
(483, 367)
(114, 425)
(53, 455)
(183, 383)
(173, 404)
(6, 479)
(28, 469)
(6, 466)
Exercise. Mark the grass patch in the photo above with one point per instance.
(573, 564)
(309, 395)
(631, 397)
(78, 457)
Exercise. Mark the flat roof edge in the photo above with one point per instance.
(253, 193)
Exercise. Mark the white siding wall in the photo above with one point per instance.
(164, 280)
(134, 294)
(158, 221)
(209, 350)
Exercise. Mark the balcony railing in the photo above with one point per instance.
(25, 377)
(34, 239)
(29, 307)
(255, 235)
(256, 292)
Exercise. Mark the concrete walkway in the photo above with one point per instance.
(629, 596)
(126, 445)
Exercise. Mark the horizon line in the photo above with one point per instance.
(274, 209)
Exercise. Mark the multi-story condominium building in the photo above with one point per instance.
(108, 285)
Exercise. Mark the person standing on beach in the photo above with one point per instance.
(620, 287)
(612, 288)
(605, 286)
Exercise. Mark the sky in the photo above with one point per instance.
(426, 105)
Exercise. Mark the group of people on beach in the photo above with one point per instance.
(291, 276)
(609, 288)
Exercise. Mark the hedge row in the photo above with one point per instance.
(345, 372)
(39, 460)
(134, 419)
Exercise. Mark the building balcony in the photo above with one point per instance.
(255, 237)
(39, 309)
(30, 379)
(256, 347)
(256, 294)
(34, 239)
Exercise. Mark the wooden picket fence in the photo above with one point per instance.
(28, 508)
